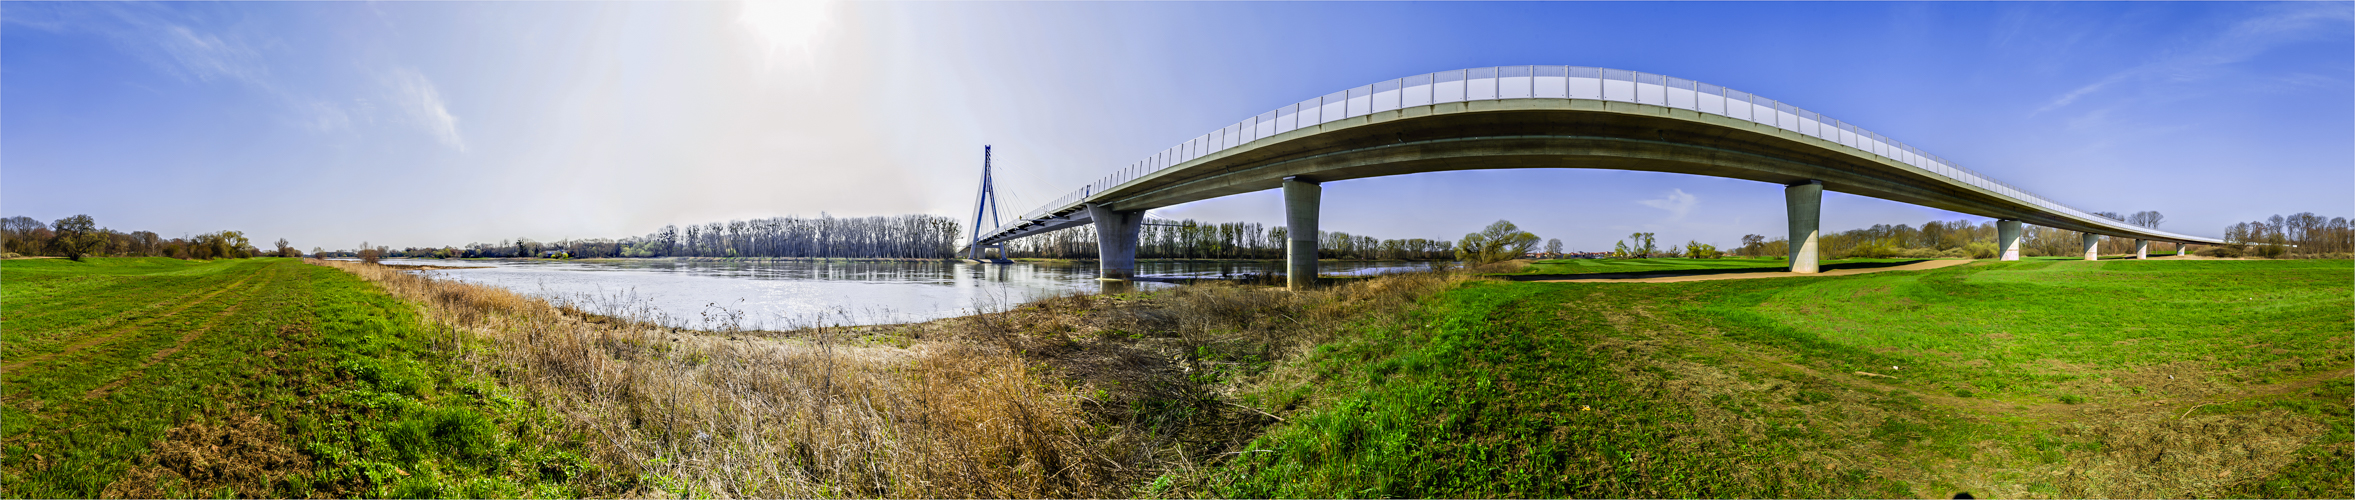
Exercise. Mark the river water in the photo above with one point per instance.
(788, 294)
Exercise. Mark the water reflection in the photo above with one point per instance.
(785, 294)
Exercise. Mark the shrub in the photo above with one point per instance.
(1921, 253)
(1981, 250)
(1879, 249)
(1699, 250)
(2221, 252)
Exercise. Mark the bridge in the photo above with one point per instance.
(1543, 117)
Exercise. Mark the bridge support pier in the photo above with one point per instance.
(2182, 249)
(2142, 249)
(2093, 246)
(1805, 202)
(1116, 241)
(1301, 197)
(2007, 239)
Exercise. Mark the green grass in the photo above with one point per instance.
(2039, 378)
(261, 377)
(1686, 266)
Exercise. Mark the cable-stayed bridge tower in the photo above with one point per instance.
(985, 204)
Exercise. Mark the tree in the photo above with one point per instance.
(1699, 250)
(1553, 248)
(76, 235)
(1500, 241)
(285, 250)
(1636, 246)
(370, 254)
(2146, 218)
(230, 245)
(1752, 246)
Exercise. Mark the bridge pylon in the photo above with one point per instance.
(985, 204)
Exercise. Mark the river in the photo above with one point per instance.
(797, 293)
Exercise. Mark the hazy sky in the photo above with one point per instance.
(443, 123)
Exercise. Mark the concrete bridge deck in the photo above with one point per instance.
(1545, 117)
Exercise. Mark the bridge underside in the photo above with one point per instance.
(1556, 133)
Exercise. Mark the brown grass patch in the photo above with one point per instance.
(2159, 454)
(240, 454)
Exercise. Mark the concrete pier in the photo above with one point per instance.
(2142, 249)
(1805, 202)
(2182, 249)
(2007, 239)
(1116, 241)
(1300, 228)
(2093, 246)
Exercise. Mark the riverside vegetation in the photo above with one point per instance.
(2079, 379)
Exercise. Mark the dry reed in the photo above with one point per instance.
(1080, 396)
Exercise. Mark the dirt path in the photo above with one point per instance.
(1655, 278)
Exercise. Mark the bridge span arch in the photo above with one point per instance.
(1543, 117)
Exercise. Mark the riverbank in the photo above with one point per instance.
(1080, 396)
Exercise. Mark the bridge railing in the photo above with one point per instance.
(1550, 82)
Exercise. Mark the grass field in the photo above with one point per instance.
(1685, 266)
(2046, 378)
(2027, 379)
(264, 377)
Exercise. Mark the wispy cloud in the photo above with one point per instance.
(1677, 203)
(421, 104)
(207, 56)
(2244, 40)
(171, 42)
(185, 47)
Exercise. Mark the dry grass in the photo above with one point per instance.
(1080, 396)
(241, 453)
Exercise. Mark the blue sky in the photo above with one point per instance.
(432, 123)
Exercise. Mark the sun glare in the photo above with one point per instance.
(788, 31)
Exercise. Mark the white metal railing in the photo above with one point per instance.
(1550, 82)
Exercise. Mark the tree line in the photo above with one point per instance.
(1952, 239)
(2299, 235)
(913, 236)
(918, 236)
(79, 236)
(1192, 239)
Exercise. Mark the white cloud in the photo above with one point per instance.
(1677, 203)
(416, 97)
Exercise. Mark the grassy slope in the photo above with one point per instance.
(262, 377)
(2011, 379)
(1597, 266)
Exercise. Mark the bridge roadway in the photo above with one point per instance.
(1545, 117)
